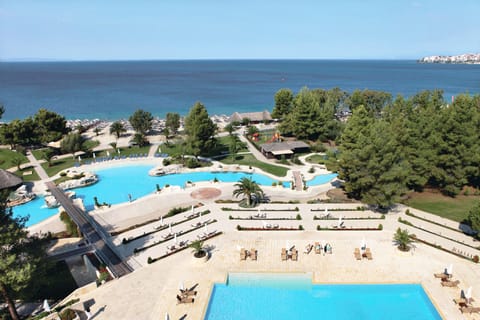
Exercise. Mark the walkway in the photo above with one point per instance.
(297, 178)
(37, 166)
(92, 233)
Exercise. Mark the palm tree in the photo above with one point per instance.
(48, 155)
(17, 161)
(248, 188)
(403, 239)
(117, 129)
(198, 250)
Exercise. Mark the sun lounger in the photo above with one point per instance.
(185, 299)
(368, 253)
(470, 309)
(294, 254)
(243, 254)
(318, 248)
(284, 254)
(186, 293)
(357, 254)
(463, 301)
(308, 248)
(442, 275)
(253, 254)
(450, 284)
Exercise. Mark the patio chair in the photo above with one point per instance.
(294, 255)
(308, 248)
(463, 301)
(368, 253)
(470, 309)
(284, 254)
(184, 299)
(187, 292)
(442, 275)
(357, 254)
(318, 248)
(451, 284)
(253, 254)
(243, 254)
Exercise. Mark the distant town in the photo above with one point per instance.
(467, 58)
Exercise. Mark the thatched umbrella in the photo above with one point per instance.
(9, 180)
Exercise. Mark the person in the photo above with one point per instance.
(129, 197)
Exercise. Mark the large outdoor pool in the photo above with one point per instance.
(281, 296)
(117, 183)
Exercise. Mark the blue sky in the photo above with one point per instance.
(245, 29)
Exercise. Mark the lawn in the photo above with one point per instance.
(316, 158)
(58, 165)
(452, 208)
(250, 160)
(174, 148)
(29, 177)
(7, 156)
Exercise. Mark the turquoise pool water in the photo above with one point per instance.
(118, 182)
(290, 297)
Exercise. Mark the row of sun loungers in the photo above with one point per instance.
(245, 253)
(292, 254)
(464, 302)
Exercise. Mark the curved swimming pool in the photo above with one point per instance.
(117, 183)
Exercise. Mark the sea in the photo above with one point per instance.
(114, 90)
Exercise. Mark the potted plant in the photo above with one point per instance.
(198, 250)
(403, 240)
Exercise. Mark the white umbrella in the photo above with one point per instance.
(468, 294)
(46, 306)
(175, 238)
(450, 269)
(118, 150)
(364, 243)
(340, 221)
(287, 244)
(161, 220)
(326, 211)
(108, 153)
(167, 317)
(193, 209)
(170, 228)
(200, 214)
(79, 158)
(264, 224)
(206, 228)
(181, 287)
(94, 155)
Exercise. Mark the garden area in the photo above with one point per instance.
(447, 207)
(8, 158)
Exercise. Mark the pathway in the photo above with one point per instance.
(297, 178)
(153, 149)
(37, 166)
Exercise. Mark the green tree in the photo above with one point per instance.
(140, 140)
(229, 128)
(473, 218)
(198, 248)
(49, 126)
(17, 162)
(283, 103)
(373, 101)
(117, 128)
(7, 135)
(249, 189)
(235, 145)
(141, 121)
(48, 155)
(20, 256)
(403, 239)
(200, 130)
(71, 143)
(97, 131)
(172, 122)
(2, 110)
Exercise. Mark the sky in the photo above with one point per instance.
(241, 29)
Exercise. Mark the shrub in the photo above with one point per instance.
(319, 228)
(192, 163)
(239, 228)
(475, 259)
(296, 209)
(300, 227)
(166, 161)
(63, 174)
(407, 212)
(175, 211)
(68, 314)
(274, 184)
(298, 217)
(230, 217)
(167, 185)
(215, 179)
(380, 227)
(149, 260)
(311, 170)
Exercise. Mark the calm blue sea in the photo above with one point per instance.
(113, 90)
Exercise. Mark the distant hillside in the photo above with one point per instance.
(468, 58)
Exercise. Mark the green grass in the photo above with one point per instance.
(174, 148)
(316, 158)
(7, 156)
(451, 208)
(28, 178)
(58, 165)
(250, 160)
(38, 153)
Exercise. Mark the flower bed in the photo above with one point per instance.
(379, 228)
(240, 228)
(382, 217)
(474, 259)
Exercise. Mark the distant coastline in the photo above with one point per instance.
(467, 58)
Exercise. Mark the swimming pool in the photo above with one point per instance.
(116, 183)
(273, 296)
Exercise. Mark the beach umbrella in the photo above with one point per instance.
(364, 243)
(450, 269)
(193, 209)
(167, 317)
(206, 228)
(46, 306)
(79, 158)
(118, 151)
(287, 244)
(175, 238)
(200, 214)
(264, 224)
(170, 228)
(108, 153)
(340, 221)
(94, 155)
(326, 211)
(468, 293)
(181, 287)
(161, 220)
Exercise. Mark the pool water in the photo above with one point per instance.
(288, 297)
(117, 183)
